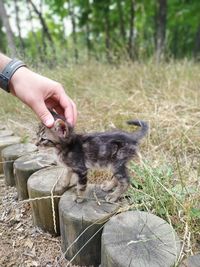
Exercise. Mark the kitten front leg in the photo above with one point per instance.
(81, 186)
(123, 183)
(64, 181)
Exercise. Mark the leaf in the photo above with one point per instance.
(195, 213)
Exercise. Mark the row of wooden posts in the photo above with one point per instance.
(93, 233)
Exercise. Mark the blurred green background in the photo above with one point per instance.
(62, 31)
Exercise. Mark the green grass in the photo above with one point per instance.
(168, 97)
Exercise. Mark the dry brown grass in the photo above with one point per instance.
(165, 95)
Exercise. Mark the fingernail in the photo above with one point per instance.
(49, 122)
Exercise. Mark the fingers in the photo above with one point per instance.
(69, 107)
(43, 113)
(71, 113)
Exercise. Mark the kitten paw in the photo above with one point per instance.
(78, 199)
(111, 197)
(105, 186)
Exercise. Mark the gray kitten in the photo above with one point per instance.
(81, 152)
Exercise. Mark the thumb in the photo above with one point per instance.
(43, 113)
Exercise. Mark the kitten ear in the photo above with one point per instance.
(61, 128)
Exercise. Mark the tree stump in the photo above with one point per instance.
(40, 185)
(27, 165)
(9, 155)
(4, 133)
(84, 221)
(194, 261)
(4, 142)
(136, 238)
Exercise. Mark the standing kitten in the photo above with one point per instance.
(80, 152)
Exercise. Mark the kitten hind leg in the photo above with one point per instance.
(109, 185)
(123, 183)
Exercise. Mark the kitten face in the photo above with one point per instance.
(52, 136)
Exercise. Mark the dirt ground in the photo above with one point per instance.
(21, 244)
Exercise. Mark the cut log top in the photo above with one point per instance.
(36, 160)
(17, 150)
(4, 133)
(44, 180)
(9, 140)
(194, 261)
(135, 238)
(93, 208)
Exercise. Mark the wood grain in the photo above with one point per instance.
(7, 141)
(84, 220)
(136, 238)
(40, 185)
(9, 155)
(26, 165)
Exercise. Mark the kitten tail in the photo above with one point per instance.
(144, 128)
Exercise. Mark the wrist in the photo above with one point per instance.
(17, 79)
(8, 72)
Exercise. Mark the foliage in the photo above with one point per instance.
(154, 189)
(103, 28)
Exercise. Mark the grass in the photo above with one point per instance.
(167, 183)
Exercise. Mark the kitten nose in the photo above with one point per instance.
(37, 143)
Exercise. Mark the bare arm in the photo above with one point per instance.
(40, 93)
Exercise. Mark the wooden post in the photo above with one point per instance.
(4, 142)
(81, 225)
(27, 165)
(40, 185)
(4, 133)
(9, 155)
(136, 238)
(193, 261)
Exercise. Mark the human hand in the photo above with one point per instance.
(41, 94)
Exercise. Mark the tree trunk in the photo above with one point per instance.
(45, 28)
(36, 40)
(9, 33)
(161, 21)
(131, 31)
(175, 42)
(121, 21)
(107, 31)
(21, 41)
(2, 39)
(64, 44)
(197, 45)
(88, 42)
(74, 35)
